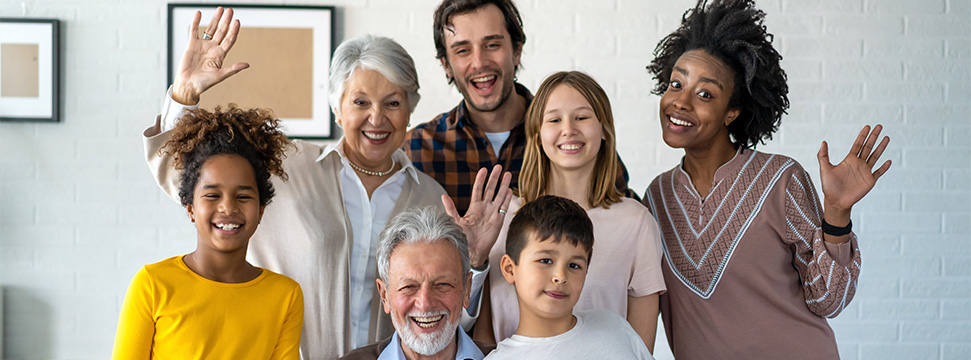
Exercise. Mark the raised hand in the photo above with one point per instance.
(483, 221)
(847, 182)
(202, 63)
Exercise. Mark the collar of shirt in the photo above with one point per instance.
(398, 155)
(467, 350)
(461, 117)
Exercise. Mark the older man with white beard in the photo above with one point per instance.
(424, 283)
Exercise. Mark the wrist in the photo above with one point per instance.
(184, 96)
(836, 215)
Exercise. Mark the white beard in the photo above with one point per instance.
(427, 344)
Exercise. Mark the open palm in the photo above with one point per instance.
(487, 210)
(849, 181)
(201, 66)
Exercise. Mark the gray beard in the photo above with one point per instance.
(427, 344)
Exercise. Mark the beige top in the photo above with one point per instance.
(748, 274)
(626, 262)
(305, 235)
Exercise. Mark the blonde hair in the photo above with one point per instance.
(534, 178)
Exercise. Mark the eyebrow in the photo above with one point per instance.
(579, 108)
(701, 79)
(466, 42)
(216, 186)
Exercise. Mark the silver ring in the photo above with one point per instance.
(206, 36)
(502, 211)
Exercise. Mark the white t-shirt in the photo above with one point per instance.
(598, 334)
(626, 262)
(497, 139)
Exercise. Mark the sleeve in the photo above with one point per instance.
(646, 277)
(162, 165)
(288, 346)
(470, 315)
(828, 272)
(136, 324)
(172, 111)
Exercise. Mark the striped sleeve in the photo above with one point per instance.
(828, 272)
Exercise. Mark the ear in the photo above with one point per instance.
(448, 69)
(192, 217)
(260, 218)
(468, 291)
(508, 269)
(383, 293)
(731, 116)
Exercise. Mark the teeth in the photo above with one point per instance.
(570, 146)
(228, 227)
(484, 78)
(679, 122)
(427, 322)
(374, 136)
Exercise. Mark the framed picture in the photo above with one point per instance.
(288, 49)
(29, 63)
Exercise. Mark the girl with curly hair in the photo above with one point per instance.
(754, 260)
(212, 303)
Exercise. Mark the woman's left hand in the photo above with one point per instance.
(847, 182)
(483, 221)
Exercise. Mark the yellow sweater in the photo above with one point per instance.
(171, 312)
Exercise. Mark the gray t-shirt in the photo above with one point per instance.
(598, 334)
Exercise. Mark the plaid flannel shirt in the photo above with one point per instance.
(451, 149)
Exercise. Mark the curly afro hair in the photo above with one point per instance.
(732, 31)
(253, 134)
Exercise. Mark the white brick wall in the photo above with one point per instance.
(79, 212)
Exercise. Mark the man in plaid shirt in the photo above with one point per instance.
(479, 43)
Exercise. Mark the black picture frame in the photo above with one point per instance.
(318, 19)
(32, 95)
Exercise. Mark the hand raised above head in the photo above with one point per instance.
(201, 66)
(846, 183)
(483, 221)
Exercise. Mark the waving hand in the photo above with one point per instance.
(202, 63)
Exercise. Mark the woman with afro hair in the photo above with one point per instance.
(754, 260)
(212, 303)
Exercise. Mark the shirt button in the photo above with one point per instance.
(354, 323)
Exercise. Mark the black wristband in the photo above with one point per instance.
(836, 230)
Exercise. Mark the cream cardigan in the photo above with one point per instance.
(305, 235)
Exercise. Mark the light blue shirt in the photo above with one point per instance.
(467, 350)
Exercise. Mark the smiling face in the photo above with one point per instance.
(694, 109)
(570, 132)
(548, 279)
(425, 294)
(481, 57)
(225, 204)
(374, 114)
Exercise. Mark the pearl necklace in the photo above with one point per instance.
(373, 173)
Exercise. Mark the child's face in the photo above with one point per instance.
(226, 204)
(571, 133)
(548, 279)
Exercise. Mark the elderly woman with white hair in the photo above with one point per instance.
(323, 227)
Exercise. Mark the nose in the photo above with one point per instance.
(478, 58)
(569, 126)
(423, 298)
(559, 275)
(378, 114)
(228, 205)
(682, 100)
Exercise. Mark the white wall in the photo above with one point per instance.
(79, 212)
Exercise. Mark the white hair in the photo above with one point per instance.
(424, 225)
(376, 53)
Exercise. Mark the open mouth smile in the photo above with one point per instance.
(427, 322)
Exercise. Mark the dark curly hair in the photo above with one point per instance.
(733, 32)
(253, 134)
(449, 8)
